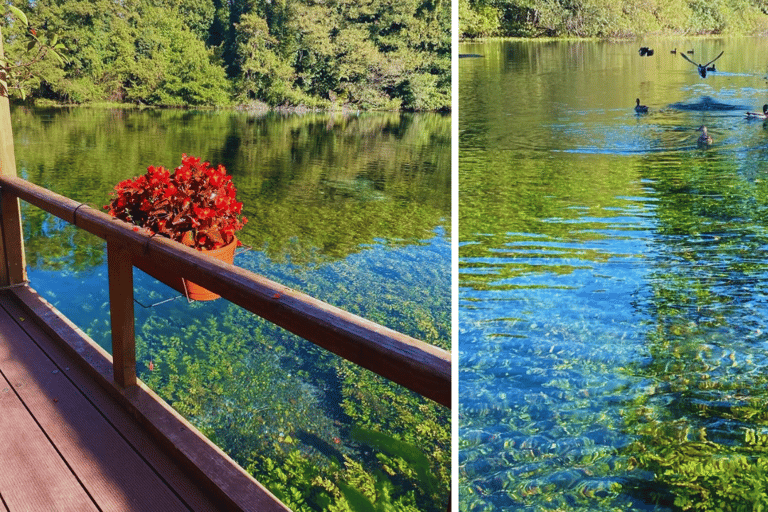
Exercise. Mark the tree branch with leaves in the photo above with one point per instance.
(39, 45)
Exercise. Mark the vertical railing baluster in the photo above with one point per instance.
(14, 271)
(121, 313)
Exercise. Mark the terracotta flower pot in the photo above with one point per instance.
(184, 286)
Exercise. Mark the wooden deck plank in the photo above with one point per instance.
(130, 429)
(33, 476)
(217, 475)
(114, 474)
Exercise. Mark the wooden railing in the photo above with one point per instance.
(421, 367)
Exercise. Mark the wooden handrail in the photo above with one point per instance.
(421, 367)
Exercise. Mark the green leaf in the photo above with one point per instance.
(59, 57)
(20, 15)
(31, 45)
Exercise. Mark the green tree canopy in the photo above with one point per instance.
(374, 54)
(609, 18)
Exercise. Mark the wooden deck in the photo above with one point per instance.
(68, 443)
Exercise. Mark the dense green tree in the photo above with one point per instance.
(609, 18)
(374, 54)
(263, 74)
(127, 51)
(198, 15)
(177, 68)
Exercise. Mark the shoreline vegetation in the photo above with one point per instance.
(255, 108)
(609, 19)
(289, 55)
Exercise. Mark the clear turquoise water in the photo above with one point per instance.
(612, 272)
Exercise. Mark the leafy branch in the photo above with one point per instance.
(38, 47)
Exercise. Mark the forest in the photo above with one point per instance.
(610, 18)
(313, 54)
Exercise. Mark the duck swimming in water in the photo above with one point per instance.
(703, 67)
(705, 139)
(759, 115)
(640, 109)
(645, 51)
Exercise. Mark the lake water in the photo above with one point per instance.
(613, 301)
(351, 209)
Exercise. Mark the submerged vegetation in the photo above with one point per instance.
(609, 18)
(252, 390)
(614, 322)
(370, 55)
(658, 405)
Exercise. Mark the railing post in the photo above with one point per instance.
(12, 263)
(7, 160)
(120, 272)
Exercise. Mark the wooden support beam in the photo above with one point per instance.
(14, 269)
(7, 158)
(12, 261)
(120, 265)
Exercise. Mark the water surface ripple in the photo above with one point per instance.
(613, 305)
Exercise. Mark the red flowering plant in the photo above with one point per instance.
(196, 205)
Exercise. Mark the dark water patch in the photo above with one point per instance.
(323, 446)
(708, 104)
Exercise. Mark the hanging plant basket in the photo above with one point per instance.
(195, 205)
(190, 290)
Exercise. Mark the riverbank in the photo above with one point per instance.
(252, 107)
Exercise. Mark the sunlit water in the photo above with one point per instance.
(352, 210)
(612, 287)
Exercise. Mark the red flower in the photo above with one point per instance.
(196, 205)
(202, 213)
(170, 190)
